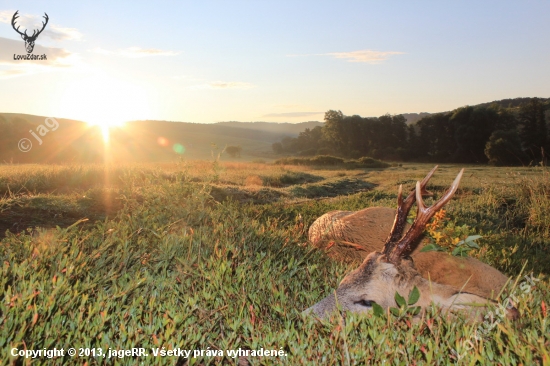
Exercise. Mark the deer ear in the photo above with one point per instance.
(23, 36)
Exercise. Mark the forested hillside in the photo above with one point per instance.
(507, 132)
(64, 140)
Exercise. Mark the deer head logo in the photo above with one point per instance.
(29, 40)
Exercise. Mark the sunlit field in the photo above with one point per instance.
(204, 254)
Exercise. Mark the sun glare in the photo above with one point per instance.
(105, 101)
(105, 127)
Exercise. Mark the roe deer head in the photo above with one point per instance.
(382, 274)
(352, 235)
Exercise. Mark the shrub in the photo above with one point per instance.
(504, 148)
(234, 151)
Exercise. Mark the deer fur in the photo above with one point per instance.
(453, 283)
(376, 278)
(351, 235)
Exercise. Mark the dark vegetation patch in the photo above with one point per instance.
(290, 178)
(327, 160)
(260, 196)
(24, 212)
(333, 188)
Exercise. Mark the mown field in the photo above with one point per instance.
(214, 256)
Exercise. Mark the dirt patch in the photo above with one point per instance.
(23, 218)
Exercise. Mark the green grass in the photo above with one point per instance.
(165, 262)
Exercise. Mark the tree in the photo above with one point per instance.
(533, 132)
(234, 151)
(504, 148)
(472, 129)
(333, 130)
(413, 149)
(290, 144)
(437, 136)
(277, 148)
(310, 139)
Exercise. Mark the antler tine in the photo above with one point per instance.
(43, 24)
(443, 200)
(423, 216)
(403, 208)
(13, 19)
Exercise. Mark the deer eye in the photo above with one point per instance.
(365, 303)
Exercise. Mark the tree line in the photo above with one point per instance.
(489, 133)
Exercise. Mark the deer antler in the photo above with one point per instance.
(424, 214)
(403, 208)
(34, 34)
(15, 16)
(43, 26)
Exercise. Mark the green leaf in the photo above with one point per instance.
(378, 310)
(472, 238)
(469, 239)
(394, 311)
(414, 295)
(400, 300)
(472, 244)
(414, 310)
(432, 248)
(461, 251)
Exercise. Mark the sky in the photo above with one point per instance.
(276, 61)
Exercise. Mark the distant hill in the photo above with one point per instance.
(157, 140)
(503, 103)
(511, 103)
(138, 141)
(288, 129)
(413, 117)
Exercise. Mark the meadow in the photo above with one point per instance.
(209, 255)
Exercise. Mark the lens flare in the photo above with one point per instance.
(179, 148)
(163, 141)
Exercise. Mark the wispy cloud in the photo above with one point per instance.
(135, 52)
(62, 34)
(367, 56)
(228, 85)
(5, 16)
(56, 58)
(292, 114)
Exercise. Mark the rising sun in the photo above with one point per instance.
(105, 101)
(105, 127)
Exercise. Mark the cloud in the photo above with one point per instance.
(135, 52)
(6, 74)
(56, 58)
(5, 16)
(62, 34)
(229, 85)
(292, 114)
(368, 56)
